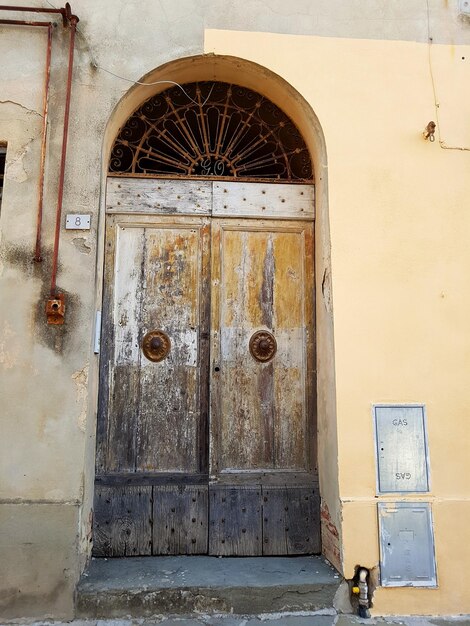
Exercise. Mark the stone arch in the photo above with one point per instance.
(273, 87)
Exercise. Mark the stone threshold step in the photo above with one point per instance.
(183, 585)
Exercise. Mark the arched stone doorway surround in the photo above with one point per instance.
(259, 79)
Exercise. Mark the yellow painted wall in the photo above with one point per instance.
(400, 225)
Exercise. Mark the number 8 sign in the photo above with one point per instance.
(77, 221)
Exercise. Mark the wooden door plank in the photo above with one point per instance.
(310, 367)
(214, 426)
(235, 525)
(169, 403)
(124, 386)
(263, 200)
(261, 412)
(267, 478)
(246, 409)
(107, 348)
(151, 478)
(145, 195)
(122, 521)
(290, 320)
(291, 523)
(180, 519)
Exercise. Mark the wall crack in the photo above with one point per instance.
(18, 104)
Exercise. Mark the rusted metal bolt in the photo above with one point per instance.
(156, 343)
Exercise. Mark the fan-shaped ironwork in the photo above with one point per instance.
(220, 130)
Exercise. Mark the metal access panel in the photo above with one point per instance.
(406, 545)
(401, 448)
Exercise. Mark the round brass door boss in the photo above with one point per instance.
(156, 345)
(263, 346)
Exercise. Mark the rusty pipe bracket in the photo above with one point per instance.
(55, 309)
(68, 17)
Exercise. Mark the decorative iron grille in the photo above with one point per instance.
(220, 130)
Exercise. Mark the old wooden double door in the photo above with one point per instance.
(206, 430)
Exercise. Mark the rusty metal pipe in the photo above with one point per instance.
(73, 20)
(11, 7)
(24, 23)
(42, 167)
(49, 26)
(68, 19)
(63, 12)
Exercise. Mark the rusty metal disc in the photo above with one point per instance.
(263, 346)
(156, 345)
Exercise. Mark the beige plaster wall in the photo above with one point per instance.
(399, 220)
(39, 560)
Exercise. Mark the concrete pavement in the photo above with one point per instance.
(274, 619)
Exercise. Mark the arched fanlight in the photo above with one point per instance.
(220, 130)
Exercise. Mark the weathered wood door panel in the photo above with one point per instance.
(212, 448)
(235, 525)
(261, 276)
(262, 402)
(122, 520)
(155, 421)
(180, 519)
(152, 427)
(290, 520)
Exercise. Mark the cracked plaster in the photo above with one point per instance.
(18, 104)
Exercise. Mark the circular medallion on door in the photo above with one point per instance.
(156, 345)
(263, 346)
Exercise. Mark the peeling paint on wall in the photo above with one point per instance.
(326, 290)
(81, 245)
(15, 169)
(80, 379)
(330, 537)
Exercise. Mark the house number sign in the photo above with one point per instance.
(77, 221)
(401, 448)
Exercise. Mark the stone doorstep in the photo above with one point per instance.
(185, 585)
